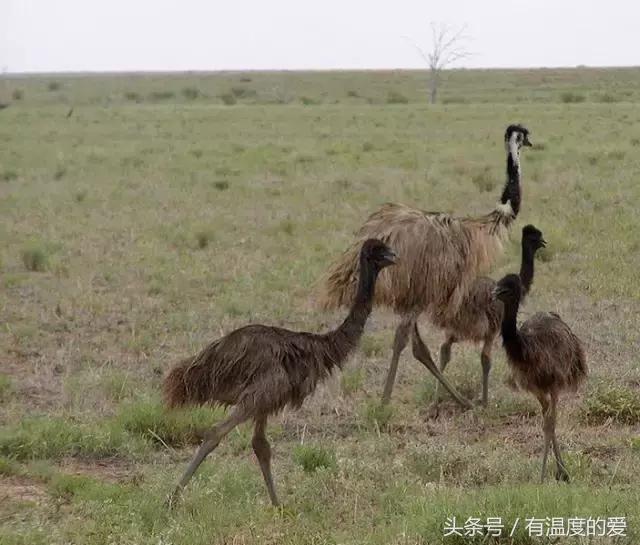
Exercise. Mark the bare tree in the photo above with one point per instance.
(448, 46)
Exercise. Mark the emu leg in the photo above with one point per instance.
(263, 452)
(445, 357)
(399, 343)
(546, 427)
(422, 354)
(561, 471)
(485, 360)
(212, 440)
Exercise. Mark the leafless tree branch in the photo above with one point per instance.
(448, 45)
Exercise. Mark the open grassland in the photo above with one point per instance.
(161, 214)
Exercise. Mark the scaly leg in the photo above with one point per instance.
(212, 440)
(422, 354)
(546, 428)
(445, 357)
(399, 343)
(485, 360)
(263, 452)
(561, 471)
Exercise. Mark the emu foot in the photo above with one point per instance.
(172, 499)
(562, 475)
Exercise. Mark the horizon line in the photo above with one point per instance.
(302, 70)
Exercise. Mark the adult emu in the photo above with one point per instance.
(545, 357)
(479, 317)
(440, 257)
(259, 369)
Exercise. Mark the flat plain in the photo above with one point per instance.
(144, 215)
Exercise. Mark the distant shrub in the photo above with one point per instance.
(18, 94)
(570, 97)
(53, 86)
(287, 227)
(59, 173)
(607, 98)
(35, 257)
(221, 185)
(242, 92)
(132, 96)
(367, 147)
(80, 195)
(394, 97)
(483, 180)
(228, 99)
(312, 458)
(635, 142)
(203, 238)
(8, 175)
(353, 94)
(304, 158)
(161, 95)
(245, 79)
(606, 401)
(190, 93)
(308, 101)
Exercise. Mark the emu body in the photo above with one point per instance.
(479, 317)
(546, 359)
(260, 369)
(440, 257)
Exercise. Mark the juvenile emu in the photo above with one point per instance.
(546, 358)
(261, 369)
(440, 257)
(479, 317)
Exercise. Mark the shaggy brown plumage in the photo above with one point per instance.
(260, 369)
(479, 316)
(440, 257)
(546, 359)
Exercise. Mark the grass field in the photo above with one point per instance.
(167, 210)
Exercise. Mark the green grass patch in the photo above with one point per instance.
(57, 437)
(312, 458)
(376, 416)
(35, 257)
(6, 387)
(611, 402)
(151, 421)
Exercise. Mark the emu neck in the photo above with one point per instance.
(346, 337)
(526, 267)
(363, 303)
(509, 330)
(511, 191)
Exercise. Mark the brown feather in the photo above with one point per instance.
(439, 257)
(263, 368)
(552, 355)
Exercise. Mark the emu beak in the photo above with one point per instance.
(391, 257)
(543, 243)
(527, 142)
(497, 291)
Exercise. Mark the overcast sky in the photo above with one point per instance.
(97, 35)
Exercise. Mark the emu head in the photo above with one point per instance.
(508, 289)
(532, 237)
(517, 135)
(377, 254)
